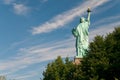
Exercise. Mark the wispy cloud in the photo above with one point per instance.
(15, 45)
(24, 76)
(20, 9)
(104, 26)
(66, 17)
(105, 8)
(111, 19)
(37, 54)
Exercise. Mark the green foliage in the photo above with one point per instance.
(59, 70)
(102, 62)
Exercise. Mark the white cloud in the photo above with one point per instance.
(20, 9)
(24, 76)
(37, 54)
(111, 19)
(105, 26)
(64, 18)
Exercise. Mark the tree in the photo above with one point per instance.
(61, 70)
(55, 70)
(103, 59)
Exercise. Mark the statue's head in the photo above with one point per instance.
(82, 19)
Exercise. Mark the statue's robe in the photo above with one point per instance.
(81, 34)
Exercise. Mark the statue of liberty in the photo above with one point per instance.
(81, 34)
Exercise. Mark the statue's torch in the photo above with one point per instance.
(88, 10)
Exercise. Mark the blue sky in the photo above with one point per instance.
(35, 32)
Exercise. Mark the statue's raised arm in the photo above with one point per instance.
(88, 17)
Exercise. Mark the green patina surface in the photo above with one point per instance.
(81, 34)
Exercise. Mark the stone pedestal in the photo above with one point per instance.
(77, 61)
